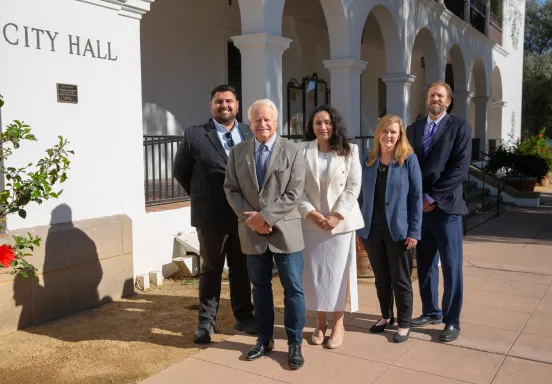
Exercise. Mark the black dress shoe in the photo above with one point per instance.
(399, 339)
(380, 328)
(203, 333)
(295, 357)
(247, 326)
(423, 320)
(450, 333)
(260, 349)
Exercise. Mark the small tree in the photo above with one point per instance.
(23, 185)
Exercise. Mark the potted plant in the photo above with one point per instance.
(538, 145)
(524, 161)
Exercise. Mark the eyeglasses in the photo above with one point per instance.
(229, 140)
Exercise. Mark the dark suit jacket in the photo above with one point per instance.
(447, 162)
(200, 167)
(403, 199)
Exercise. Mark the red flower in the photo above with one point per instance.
(6, 255)
(542, 150)
(522, 137)
(541, 134)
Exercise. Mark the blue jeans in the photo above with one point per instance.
(290, 269)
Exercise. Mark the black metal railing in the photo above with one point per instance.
(295, 138)
(497, 174)
(365, 143)
(495, 32)
(509, 175)
(485, 177)
(496, 20)
(159, 185)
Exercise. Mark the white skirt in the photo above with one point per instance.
(329, 271)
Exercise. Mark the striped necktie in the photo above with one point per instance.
(428, 135)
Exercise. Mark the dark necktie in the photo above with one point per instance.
(428, 135)
(260, 164)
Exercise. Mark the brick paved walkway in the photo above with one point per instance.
(506, 332)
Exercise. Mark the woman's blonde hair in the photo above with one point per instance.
(403, 149)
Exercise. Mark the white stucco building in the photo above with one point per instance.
(146, 67)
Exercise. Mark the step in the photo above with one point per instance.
(474, 193)
(477, 218)
(479, 205)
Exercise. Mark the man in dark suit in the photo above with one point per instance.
(200, 167)
(442, 143)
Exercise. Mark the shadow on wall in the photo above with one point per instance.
(69, 278)
(157, 121)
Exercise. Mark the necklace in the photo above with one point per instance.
(382, 168)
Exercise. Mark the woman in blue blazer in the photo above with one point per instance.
(391, 205)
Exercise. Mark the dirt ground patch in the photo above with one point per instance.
(120, 342)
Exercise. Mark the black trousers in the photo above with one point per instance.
(216, 245)
(392, 265)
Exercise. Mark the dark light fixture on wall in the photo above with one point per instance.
(423, 62)
(230, 2)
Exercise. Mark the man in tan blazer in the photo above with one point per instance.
(264, 185)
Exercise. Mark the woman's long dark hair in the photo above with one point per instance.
(339, 142)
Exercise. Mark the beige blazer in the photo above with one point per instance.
(344, 182)
(277, 199)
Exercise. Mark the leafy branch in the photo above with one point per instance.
(30, 183)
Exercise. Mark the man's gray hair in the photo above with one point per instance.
(262, 102)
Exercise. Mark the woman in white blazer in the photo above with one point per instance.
(331, 215)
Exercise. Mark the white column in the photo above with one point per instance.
(261, 56)
(345, 90)
(467, 9)
(495, 120)
(461, 106)
(426, 87)
(398, 95)
(482, 105)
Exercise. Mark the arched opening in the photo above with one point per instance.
(456, 77)
(186, 50)
(185, 53)
(497, 106)
(479, 106)
(380, 48)
(425, 66)
(305, 24)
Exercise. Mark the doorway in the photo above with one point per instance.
(234, 73)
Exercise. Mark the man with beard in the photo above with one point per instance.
(442, 143)
(200, 167)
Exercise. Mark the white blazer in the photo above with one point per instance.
(344, 182)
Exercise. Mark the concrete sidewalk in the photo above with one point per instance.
(506, 334)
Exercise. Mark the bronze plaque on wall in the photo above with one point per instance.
(67, 93)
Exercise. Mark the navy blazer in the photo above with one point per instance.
(403, 199)
(447, 162)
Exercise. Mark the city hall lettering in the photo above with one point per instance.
(30, 37)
